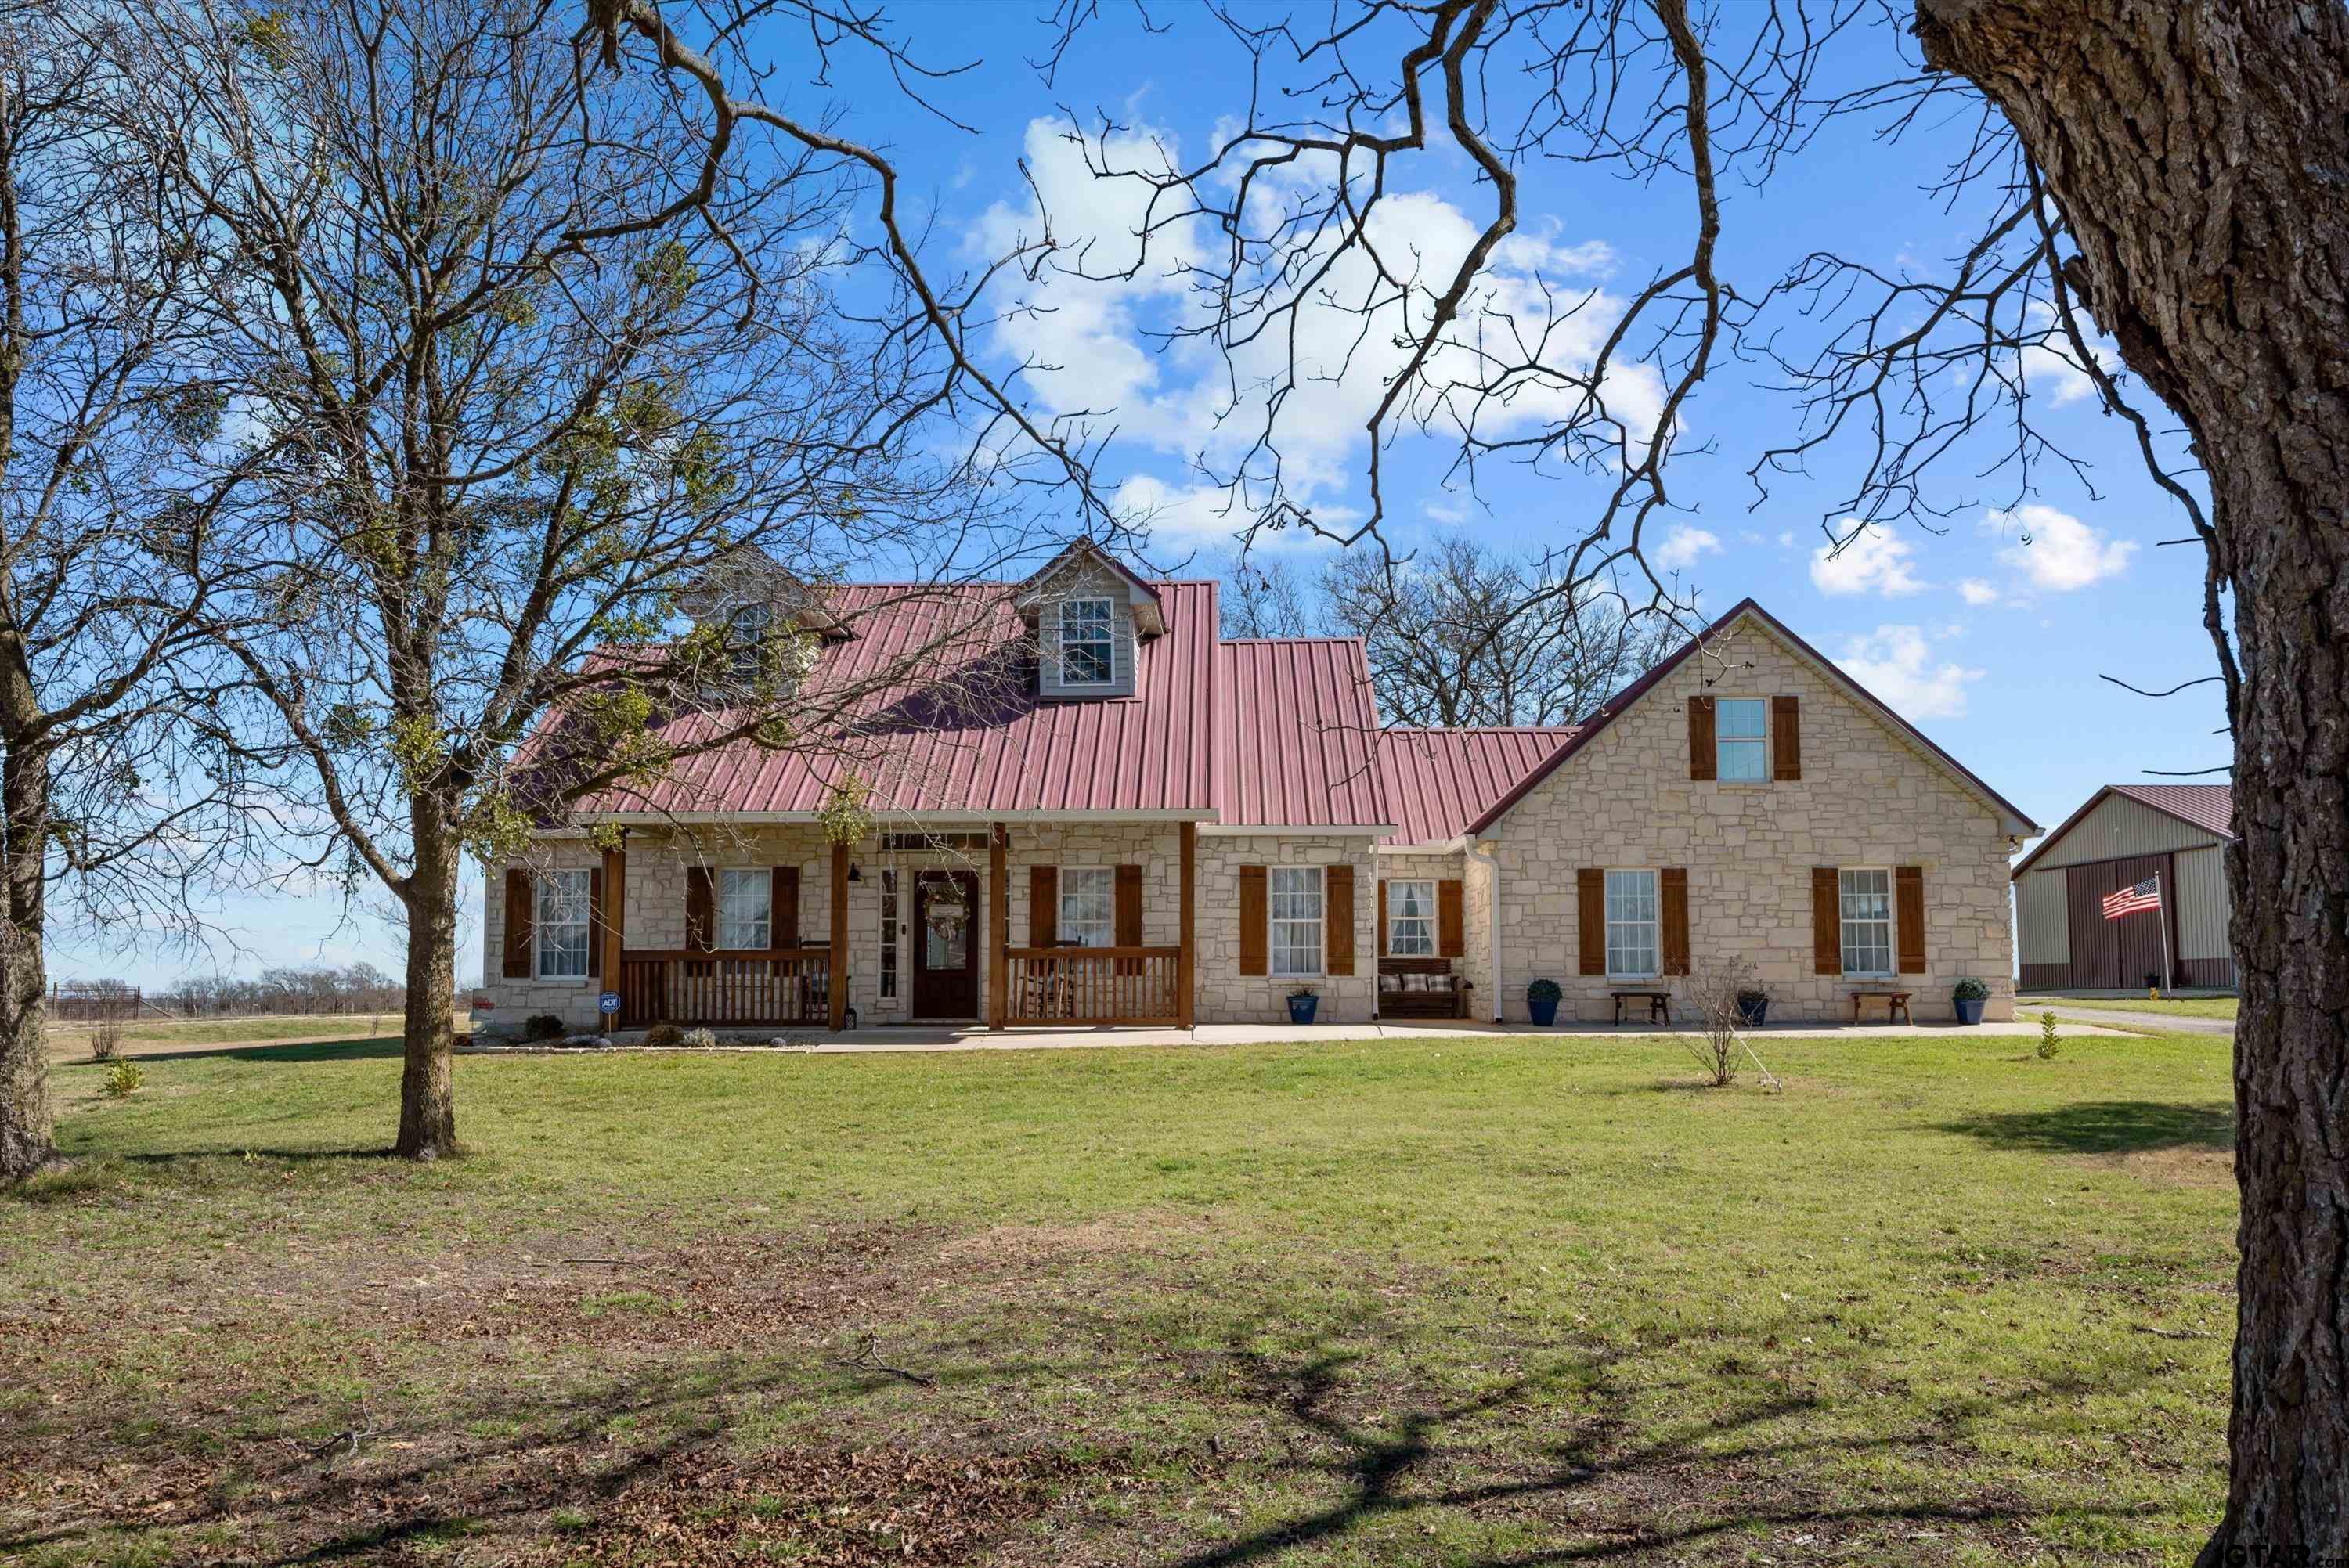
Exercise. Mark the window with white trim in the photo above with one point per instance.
(1631, 925)
(1088, 906)
(1742, 741)
(1865, 894)
(1088, 630)
(889, 931)
(745, 903)
(1410, 919)
(746, 632)
(565, 907)
(1296, 918)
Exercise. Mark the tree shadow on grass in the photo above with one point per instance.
(373, 1047)
(2103, 1127)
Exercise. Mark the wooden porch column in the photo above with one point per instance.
(999, 928)
(1186, 965)
(836, 986)
(615, 916)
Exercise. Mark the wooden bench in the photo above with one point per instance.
(1660, 1005)
(1439, 994)
(1896, 1004)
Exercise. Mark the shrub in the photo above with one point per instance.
(543, 1026)
(1969, 990)
(2048, 1046)
(667, 1037)
(1544, 991)
(106, 1039)
(1716, 985)
(699, 1040)
(123, 1078)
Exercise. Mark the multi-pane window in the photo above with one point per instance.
(743, 908)
(1410, 919)
(888, 932)
(747, 634)
(1742, 741)
(1087, 627)
(1631, 923)
(1866, 900)
(1088, 906)
(564, 911)
(1296, 897)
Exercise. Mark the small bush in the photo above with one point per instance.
(667, 1037)
(699, 1040)
(2048, 1046)
(543, 1026)
(1969, 990)
(1544, 991)
(106, 1039)
(123, 1078)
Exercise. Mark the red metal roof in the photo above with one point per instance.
(1297, 731)
(1437, 781)
(2209, 807)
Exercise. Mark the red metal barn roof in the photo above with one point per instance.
(2206, 806)
(1437, 781)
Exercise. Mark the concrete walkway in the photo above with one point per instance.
(2141, 1023)
(946, 1038)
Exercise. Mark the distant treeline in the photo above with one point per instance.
(325, 988)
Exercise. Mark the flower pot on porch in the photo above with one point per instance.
(1301, 1006)
(1969, 1009)
(1752, 1010)
(1544, 1010)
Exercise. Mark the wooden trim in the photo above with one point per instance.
(1827, 920)
(612, 915)
(1450, 918)
(1043, 905)
(1590, 918)
(1186, 963)
(1255, 929)
(1787, 738)
(783, 908)
(998, 923)
(700, 909)
(1337, 920)
(1127, 930)
(1909, 917)
(520, 924)
(1704, 755)
(1672, 909)
(837, 991)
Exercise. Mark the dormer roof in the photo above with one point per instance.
(1149, 609)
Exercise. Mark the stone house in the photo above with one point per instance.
(1070, 800)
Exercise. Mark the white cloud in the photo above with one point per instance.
(1785, 539)
(1682, 545)
(1871, 561)
(1896, 664)
(1975, 591)
(2054, 551)
(1184, 520)
(1450, 512)
(2049, 367)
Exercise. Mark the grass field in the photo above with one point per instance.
(1478, 1302)
(2173, 1006)
(70, 1042)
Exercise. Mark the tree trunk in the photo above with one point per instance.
(27, 1124)
(2198, 149)
(427, 1106)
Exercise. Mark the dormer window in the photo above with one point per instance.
(1088, 653)
(746, 636)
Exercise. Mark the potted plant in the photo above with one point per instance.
(1753, 1006)
(1968, 996)
(1301, 1003)
(1541, 1001)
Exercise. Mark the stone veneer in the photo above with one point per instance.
(1868, 797)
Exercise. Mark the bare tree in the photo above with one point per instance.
(534, 377)
(1714, 984)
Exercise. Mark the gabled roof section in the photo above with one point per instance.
(2013, 819)
(1149, 607)
(1302, 735)
(2209, 807)
(1437, 781)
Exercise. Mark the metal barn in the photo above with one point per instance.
(2126, 833)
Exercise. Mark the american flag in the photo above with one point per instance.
(2146, 894)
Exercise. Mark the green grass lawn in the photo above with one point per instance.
(1473, 1301)
(70, 1042)
(2175, 1006)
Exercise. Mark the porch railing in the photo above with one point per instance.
(726, 988)
(1093, 984)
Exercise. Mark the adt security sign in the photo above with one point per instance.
(609, 1002)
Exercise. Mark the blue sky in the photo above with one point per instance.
(1993, 645)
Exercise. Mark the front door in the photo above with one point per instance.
(946, 963)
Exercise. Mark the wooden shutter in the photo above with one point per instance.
(1337, 920)
(521, 915)
(1254, 915)
(1701, 755)
(1787, 738)
(1450, 931)
(1043, 905)
(1672, 885)
(783, 908)
(596, 922)
(1909, 917)
(1129, 906)
(1590, 917)
(1827, 920)
(700, 911)
(1382, 934)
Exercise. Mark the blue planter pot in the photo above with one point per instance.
(1543, 1009)
(1753, 1015)
(1300, 1009)
(1969, 1012)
